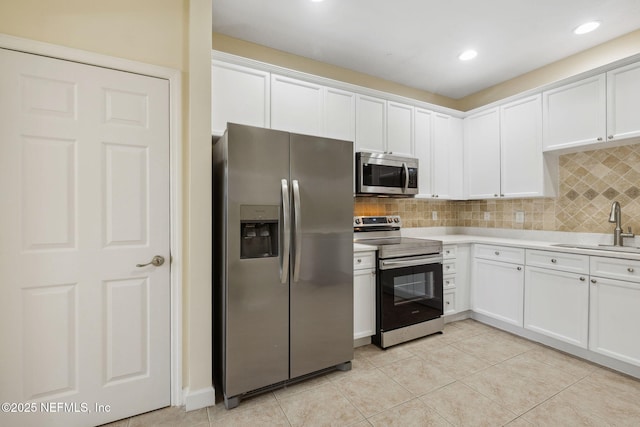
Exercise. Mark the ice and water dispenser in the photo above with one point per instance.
(259, 231)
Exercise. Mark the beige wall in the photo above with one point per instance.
(169, 33)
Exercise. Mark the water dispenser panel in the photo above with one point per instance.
(258, 231)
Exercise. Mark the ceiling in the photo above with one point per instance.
(417, 42)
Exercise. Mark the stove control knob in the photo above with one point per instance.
(389, 220)
(396, 219)
(357, 220)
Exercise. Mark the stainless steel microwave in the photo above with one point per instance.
(385, 174)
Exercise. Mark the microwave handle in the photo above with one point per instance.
(406, 177)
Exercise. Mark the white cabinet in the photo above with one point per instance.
(614, 313)
(623, 102)
(455, 278)
(364, 294)
(400, 129)
(557, 296)
(339, 114)
(371, 124)
(439, 150)
(296, 106)
(503, 152)
(238, 95)
(482, 154)
(575, 114)
(498, 286)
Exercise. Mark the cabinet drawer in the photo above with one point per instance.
(362, 260)
(449, 267)
(449, 302)
(449, 282)
(500, 253)
(573, 263)
(615, 268)
(449, 251)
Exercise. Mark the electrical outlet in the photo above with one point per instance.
(487, 216)
(519, 217)
(434, 215)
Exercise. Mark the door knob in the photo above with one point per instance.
(157, 261)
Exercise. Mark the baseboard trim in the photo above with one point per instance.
(198, 399)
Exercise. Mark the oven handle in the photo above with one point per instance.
(399, 263)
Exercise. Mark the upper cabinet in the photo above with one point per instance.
(239, 95)
(296, 106)
(339, 114)
(575, 114)
(594, 110)
(623, 102)
(400, 129)
(503, 152)
(438, 145)
(371, 124)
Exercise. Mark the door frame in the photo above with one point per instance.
(175, 169)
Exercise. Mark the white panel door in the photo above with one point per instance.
(84, 178)
(442, 151)
(371, 124)
(339, 114)
(498, 289)
(423, 149)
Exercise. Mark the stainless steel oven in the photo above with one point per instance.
(386, 174)
(409, 300)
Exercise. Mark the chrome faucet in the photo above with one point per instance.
(618, 235)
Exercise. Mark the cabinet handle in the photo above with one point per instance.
(582, 279)
(610, 137)
(497, 253)
(594, 281)
(502, 195)
(448, 302)
(553, 260)
(630, 270)
(359, 260)
(599, 138)
(519, 268)
(495, 195)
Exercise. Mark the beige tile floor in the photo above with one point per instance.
(472, 375)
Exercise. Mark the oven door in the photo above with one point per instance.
(409, 291)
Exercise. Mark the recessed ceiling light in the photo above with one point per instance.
(467, 55)
(587, 27)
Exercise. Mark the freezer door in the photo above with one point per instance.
(256, 320)
(321, 295)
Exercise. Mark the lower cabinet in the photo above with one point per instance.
(364, 295)
(614, 319)
(556, 304)
(497, 290)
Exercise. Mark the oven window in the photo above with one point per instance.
(413, 287)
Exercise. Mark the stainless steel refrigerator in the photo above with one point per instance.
(283, 258)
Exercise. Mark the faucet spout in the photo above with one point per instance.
(615, 217)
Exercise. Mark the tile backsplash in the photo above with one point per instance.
(589, 183)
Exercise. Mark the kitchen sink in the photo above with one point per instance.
(612, 248)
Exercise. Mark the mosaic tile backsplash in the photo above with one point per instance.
(589, 183)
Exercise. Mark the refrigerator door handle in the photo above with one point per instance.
(286, 233)
(297, 230)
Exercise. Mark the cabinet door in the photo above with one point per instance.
(339, 114)
(364, 303)
(623, 102)
(371, 124)
(296, 106)
(498, 290)
(482, 154)
(575, 114)
(463, 283)
(522, 172)
(400, 129)
(238, 95)
(442, 147)
(423, 149)
(614, 319)
(557, 305)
